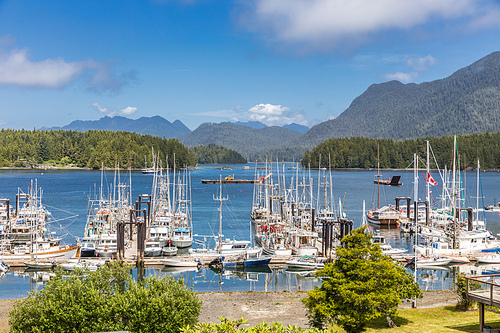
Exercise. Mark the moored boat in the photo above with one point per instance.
(173, 262)
(306, 263)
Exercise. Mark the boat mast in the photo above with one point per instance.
(428, 173)
(220, 199)
(477, 191)
(378, 176)
(453, 191)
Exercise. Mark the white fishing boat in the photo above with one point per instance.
(488, 259)
(107, 246)
(306, 263)
(432, 261)
(91, 265)
(152, 249)
(174, 262)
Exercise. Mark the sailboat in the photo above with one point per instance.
(385, 215)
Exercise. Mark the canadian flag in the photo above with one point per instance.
(431, 180)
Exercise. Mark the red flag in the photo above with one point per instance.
(431, 180)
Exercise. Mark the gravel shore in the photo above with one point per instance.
(257, 307)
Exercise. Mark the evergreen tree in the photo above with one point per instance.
(361, 285)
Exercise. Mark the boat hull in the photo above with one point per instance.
(64, 252)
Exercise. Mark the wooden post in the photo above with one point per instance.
(481, 316)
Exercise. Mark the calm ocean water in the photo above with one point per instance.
(66, 193)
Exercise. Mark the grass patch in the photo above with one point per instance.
(433, 320)
(278, 303)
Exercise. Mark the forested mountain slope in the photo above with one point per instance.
(464, 103)
(245, 140)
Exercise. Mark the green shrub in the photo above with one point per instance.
(108, 299)
(461, 283)
(230, 326)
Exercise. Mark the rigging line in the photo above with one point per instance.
(482, 196)
(59, 209)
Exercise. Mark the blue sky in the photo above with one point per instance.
(275, 61)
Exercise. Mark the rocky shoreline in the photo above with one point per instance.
(256, 307)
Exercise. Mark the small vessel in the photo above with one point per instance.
(432, 261)
(386, 248)
(87, 248)
(225, 167)
(169, 250)
(40, 264)
(228, 180)
(249, 258)
(489, 259)
(152, 249)
(393, 181)
(306, 263)
(493, 208)
(3, 266)
(91, 265)
(181, 263)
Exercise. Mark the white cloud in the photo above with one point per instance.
(17, 69)
(275, 115)
(271, 115)
(128, 111)
(400, 76)
(421, 63)
(331, 24)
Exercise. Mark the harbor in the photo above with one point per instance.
(67, 193)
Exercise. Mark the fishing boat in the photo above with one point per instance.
(152, 249)
(107, 246)
(24, 232)
(249, 258)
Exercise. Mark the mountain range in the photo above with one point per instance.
(157, 126)
(466, 102)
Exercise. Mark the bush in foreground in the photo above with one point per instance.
(233, 326)
(108, 299)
